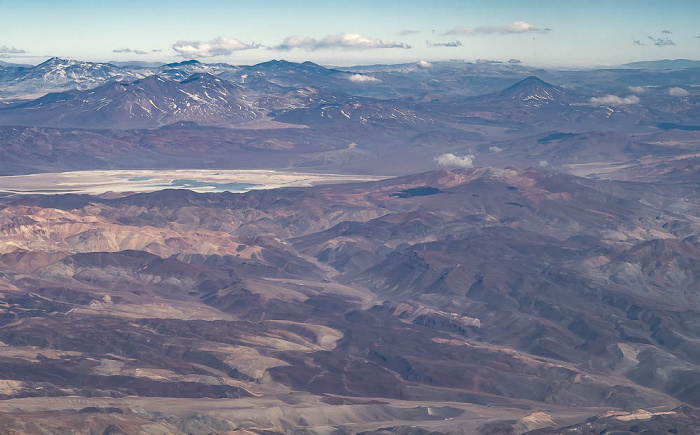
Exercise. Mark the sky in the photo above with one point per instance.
(551, 33)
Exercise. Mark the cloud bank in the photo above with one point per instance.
(218, 47)
(514, 28)
(449, 159)
(614, 100)
(343, 41)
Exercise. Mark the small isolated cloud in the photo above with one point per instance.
(514, 28)
(544, 163)
(408, 32)
(678, 92)
(668, 32)
(638, 42)
(218, 47)
(345, 41)
(128, 50)
(4, 49)
(614, 100)
(514, 61)
(361, 78)
(637, 89)
(450, 159)
(451, 44)
(495, 149)
(661, 42)
(423, 64)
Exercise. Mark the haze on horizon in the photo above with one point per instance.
(543, 32)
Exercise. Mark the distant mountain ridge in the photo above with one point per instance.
(664, 64)
(56, 74)
(458, 78)
(377, 119)
(148, 102)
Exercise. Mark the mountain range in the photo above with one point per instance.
(304, 109)
(526, 259)
(482, 288)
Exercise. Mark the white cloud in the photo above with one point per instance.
(361, 78)
(614, 100)
(423, 64)
(450, 159)
(508, 29)
(4, 49)
(678, 92)
(495, 149)
(543, 163)
(218, 47)
(128, 50)
(637, 89)
(297, 41)
(345, 41)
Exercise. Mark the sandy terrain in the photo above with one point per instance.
(308, 411)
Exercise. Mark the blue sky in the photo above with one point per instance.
(575, 33)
